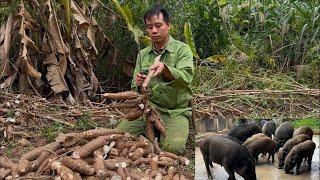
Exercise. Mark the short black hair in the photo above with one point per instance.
(156, 10)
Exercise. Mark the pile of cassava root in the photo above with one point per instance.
(95, 154)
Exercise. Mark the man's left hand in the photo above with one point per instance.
(158, 67)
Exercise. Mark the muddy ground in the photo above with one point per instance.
(264, 170)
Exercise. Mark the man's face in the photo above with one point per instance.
(158, 29)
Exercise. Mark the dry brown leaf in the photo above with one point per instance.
(78, 13)
(25, 66)
(8, 81)
(63, 64)
(4, 48)
(54, 31)
(91, 36)
(54, 74)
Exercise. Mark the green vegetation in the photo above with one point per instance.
(85, 122)
(314, 123)
(51, 131)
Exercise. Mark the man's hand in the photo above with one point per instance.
(139, 79)
(157, 67)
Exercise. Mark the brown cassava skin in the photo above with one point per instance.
(46, 161)
(111, 163)
(78, 165)
(23, 167)
(296, 155)
(254, 137)
(230, 154)
(4, 172)
(36, 152)
(99, 166)
(121, 95)
(5, 162)
(140, 161)
(134, 114)
(93, 145)
(303, 130)
(64, 172)
(283, 152)
(262, 145)
(35, 164)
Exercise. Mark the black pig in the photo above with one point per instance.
(303, 130)
(283, 133)
(253, 138)
(296, 155)
(283, 152)
(243, 131)
(269, 128)
(262, 145)
(230, 154)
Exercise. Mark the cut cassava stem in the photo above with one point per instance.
(121, 95)
(78, 165)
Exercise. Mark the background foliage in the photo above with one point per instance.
(278, 37)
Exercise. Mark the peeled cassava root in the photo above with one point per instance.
(100, 157)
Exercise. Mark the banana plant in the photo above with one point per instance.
(127, 15)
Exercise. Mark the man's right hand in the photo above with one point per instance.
(139, 79)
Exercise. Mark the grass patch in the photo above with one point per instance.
(85, 122)
(314, 123)
(52, 131)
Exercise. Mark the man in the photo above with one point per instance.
(170, 85)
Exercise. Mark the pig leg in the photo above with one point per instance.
(207, 161)
(299, 161)
(272, 156)
(229, 170)
(210, 164)
(309, 162)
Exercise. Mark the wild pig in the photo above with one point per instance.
(283, 152)
(283, 133)
(243, 131)
(240, 121)
(303, 130)
(269, 128)
(262, 122)
(262, 145)
(296, 155)
(231, 155)
(253, 137)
